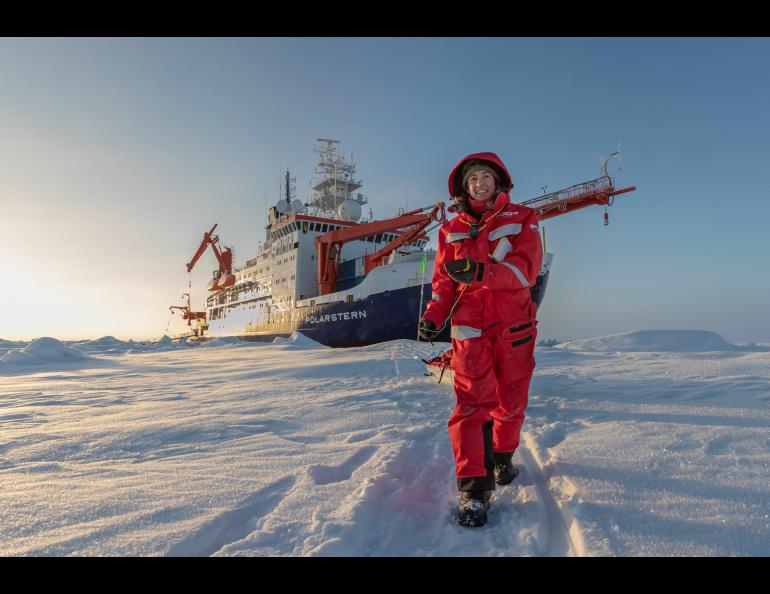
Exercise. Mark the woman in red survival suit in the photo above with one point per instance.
(488, 257)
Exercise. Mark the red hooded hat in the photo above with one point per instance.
(490, 159)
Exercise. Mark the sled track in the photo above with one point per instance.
(562, 532)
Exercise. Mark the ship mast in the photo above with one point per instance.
(337, 181)
(290, 188)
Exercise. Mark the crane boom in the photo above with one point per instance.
(224, 276)
(201, 248)
(187, 314)
(600, 191)
(371, 261)
(328, 246)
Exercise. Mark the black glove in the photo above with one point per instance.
(465, 270)
(427, 330)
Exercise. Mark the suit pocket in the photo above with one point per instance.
(471, 357)
(518, 343)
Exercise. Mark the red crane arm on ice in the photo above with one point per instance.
(187, 314)
(329, 245)
(225, 276)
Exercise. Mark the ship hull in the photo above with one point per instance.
(380, 317)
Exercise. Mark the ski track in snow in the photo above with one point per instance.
(560, 534)
(231, 526)
(292, 449)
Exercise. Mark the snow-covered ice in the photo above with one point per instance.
(42, 351)
(686, 341)
(636, 444)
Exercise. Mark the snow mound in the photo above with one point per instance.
(42, 351)
(298, 339)
(109, 345)
(167, 344)
(106, 345)
(7, 345)
(164, 344)
(648, 341)
(107, 341)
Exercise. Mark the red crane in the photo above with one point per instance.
(600, 191)
(329, 245)
(223, 277)
(186, 313)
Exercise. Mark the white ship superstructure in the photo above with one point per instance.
(279, 286)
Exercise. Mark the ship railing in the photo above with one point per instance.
(601, 184)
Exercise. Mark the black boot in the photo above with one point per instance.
(505, 471)
(473, 507)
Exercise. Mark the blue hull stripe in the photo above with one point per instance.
(385, 316)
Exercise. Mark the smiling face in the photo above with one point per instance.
(481, 185)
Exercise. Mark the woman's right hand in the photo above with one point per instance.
(427, 330)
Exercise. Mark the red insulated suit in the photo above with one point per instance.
(493, 325)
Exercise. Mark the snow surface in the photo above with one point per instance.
(292, 448)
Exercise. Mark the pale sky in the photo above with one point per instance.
(117, 154)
